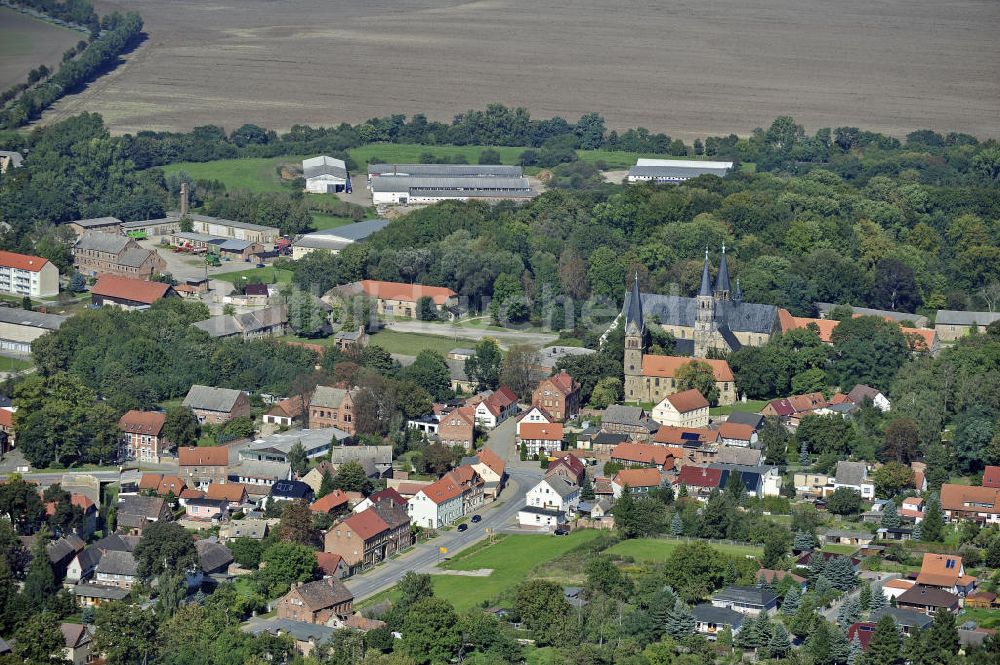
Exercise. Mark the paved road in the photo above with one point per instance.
(499, 516)
(503, 337)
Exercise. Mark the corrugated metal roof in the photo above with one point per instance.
(950, 317)
(675, 172)
(24, 317)
(467, 170)
(449, 183)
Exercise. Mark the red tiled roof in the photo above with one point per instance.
(991, 476)
(142, 422)
(642, 453)
(562, 382)
(227, 491)
(330, 502)
(190, 493)
(501, 398)
(667, 366)
(638, 478)
(389, 494)
(737, 431)
(541, 432)
(492, 460)
(124, 288)
(687, 400)
(6, 418)
(405, 292)
(161, 484)
(864, 631)
(954, 497)
(82, 502)
(680, 436)
(782, 407)
(442, 490)
(290, 408)
(367, 524)
(807, 402)
(22, 261)
(328, 562)
(699, 476)
(573, 464)
(203, 456)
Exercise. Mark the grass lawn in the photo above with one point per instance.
(511, 559)
(541, 655)
(985, 618)
(751, 406)
(840, 549)
(254, 174)
(323, 221)
(8, 364)
(409, 153)
(411, 344)
(268, 274)
(658, 549)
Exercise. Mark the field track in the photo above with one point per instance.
(686, 67)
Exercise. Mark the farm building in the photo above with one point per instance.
(443, 171)
(97, 253)
(203, 224)
(417, 190)
(26, 275)
(128, 294)
(325, 175)
(102, 224)
(675, 170)
(20, 327)
(10, 160)
(226, 247)
(334, 240)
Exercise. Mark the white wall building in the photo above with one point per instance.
(436, 505)
(675, 170)
(325, 175)
(684, 409)
(25, 275)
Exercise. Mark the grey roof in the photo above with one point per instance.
(302, 631)
(972, 638)
(323, 165)
(634, 323)
(442, 170)
(328, 397)
(903, 617)
(956, 318)
(317, 241)
(97, 241)
(750, 457)
(89, 557)
(348, 335)
(352, 232)
(15, 157)
(248, 528)
(101, 591)
(755, 420)
(175, 217)
(134, 257)
(210, 398)
(282, 442)
(561, 486)
(213, 556)
(24, 317)
(219, 326)
(746, 594)
(847, 533)
(465, 193)
(458, 185)
(263, 470)
(118, 563)
(62, 549)
(850, 473)
(706, 279)
(378, 454)
(113, 542)
(548, 512)
(548, 356)
(293, 489)
(824, 308)
(97, 222)
(923, 595)
(456, 368)
(262, 319)
(708, 613)
(4, 647)
(675, 172)
(147, 507)
(620, 414)
(681, 311)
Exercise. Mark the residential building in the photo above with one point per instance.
(498, 406)
(491, 468)
(630, 420)
(928, 600)
(278, 446)
(332, 407)
(334, 503)
(286, 413)
(638, 481)
(738, 434)
(766, 576)
(396, 299)
(758, 480)
(754, 420)
(94, 595)
(78, 643)
(854, 476)
(202, 466)
(128, 293)
(366, 538)
(96, 253)
(535, 414)
(305, 636)
(558, 395)
(161, 484)
(136, 512)
(458, 427)
(316, 602)
(699, 480)
(205, 509)
(26, 275)
(814, 484)
(214, 558)
(687, 408)
(908, 621)
(642, 454)
(331, 565)
(951, 324)
(142, 435)
(351, 339)
(19, 328)
(964, 502)
(246, 528)
(234, 494)
(541, 439)
(747, 600)
(267, 322)
(110, 225)
(860, 393)
(569, 467)
(991, 477)
(117, 568)
(553, 493)
(291, 490)
(217, 405)
(945, 571)
(674, 171)
(460, 381)
(438, 504)
(711, 620)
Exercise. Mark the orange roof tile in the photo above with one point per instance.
(667, 366)
(405, 292)
(638, 478)
(124, 288)
(737, 431)
(939, 569)
(203, 456)
(643, 453)
(6, 418)
(492, 460)
(227, 491)
(562, 382)
(330, 502)
(142, 422)
(954, 497)
(687, 401)
(367, 524)
(22, 261)
(541, 432)
(442, 490)
(680, 436)
(328, 562)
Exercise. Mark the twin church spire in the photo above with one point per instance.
(722, 290)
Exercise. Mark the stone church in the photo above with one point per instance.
(716, 319)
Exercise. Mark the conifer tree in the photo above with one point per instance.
(918, 531)
(747, 637)
(865, 597)
(944, 633)
(326, 484)
(677, 525)
(40, 582)
(823, 586)
(848, 613)
(779, 645)
(660, 605)
(791, 601)
(839, 646)
(933, 522)
(804, 541)
(804, 455)
(877, 602)
(890, 516)
(587, 489)
(818, 644)
(680, 621)
(840, 572)
(886, 645)
(817, 564)
(855, 652)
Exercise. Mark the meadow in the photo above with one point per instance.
(658, 549)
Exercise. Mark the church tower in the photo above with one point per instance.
(705, 325)
(635, 344)
(722, 279)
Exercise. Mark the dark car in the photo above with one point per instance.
(476, 519)
(463, 527)
(561, 531)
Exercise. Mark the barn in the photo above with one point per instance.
(675, 170)
(326, 175)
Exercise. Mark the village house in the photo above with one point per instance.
(559, 395)
(458, 427)
(860, 393)
(766, 576)
(951, 324)
(535, 414)
(909, 622)
(331, 565)
(747, 600)
(200, 467)
(217, 405)
(964, 502)
(96, 253)
(541, 439)
(234, 494)
(205, 509)
(246, 528)
(854, 476)
(334, 503)
(286, 413)
(630, 420)
(569, 467)
(267, 322)
(737, 434)
(26, 275)
(436, 505)
(127, 293)
(687, 408)
(552, 493)
(316, 602)
(136, 512)
(638, 481)
(77, 643)
(162, 484)
(711, 620)
(290, 490)
(928, 600)
(365, 539)
(642, 454)
(699, 480)
(472, 487)
(946, 572)
(388, 495)
(332, 407)
(117, 568)
(142, 435)
(491, 468)
(460, 381)
(991, 477)
(396, 299)
(498, 406)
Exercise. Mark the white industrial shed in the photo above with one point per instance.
(334, 240)
(410, 190)
(19, 328)
(325, 175)
(675, 170)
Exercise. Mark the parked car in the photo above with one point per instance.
(561, 531)
(476, 519)
(463, 527)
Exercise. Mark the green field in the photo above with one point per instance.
(985, 618)
(657, 549)
(323, 221)
(254, 174)
(410, 344)
(268, 275)
(840, 549)
(409, 153)
(750, 406)
(511, 559)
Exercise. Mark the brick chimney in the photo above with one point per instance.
(184, 199)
